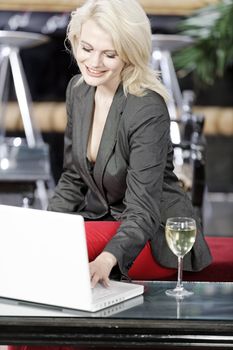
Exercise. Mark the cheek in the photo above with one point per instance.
(81, 56)
(114, 66)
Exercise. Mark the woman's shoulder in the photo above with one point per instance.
(150, 104)
(74, 81)
(150, 96)
(77, 86)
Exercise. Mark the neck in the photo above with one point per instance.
(107, 92)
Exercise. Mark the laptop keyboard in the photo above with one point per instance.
(100, 291)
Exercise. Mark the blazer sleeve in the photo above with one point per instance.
(70, 190)
(148, 139)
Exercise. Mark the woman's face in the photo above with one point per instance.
(97, 58)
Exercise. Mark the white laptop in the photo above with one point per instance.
(43, 259)
(10, 307)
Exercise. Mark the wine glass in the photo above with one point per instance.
(180, 235)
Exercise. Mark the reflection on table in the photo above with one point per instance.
(210, 301)
(154, 320)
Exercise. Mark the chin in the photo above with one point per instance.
(92, 81)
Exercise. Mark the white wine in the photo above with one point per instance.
(180, 240)
(180, 235)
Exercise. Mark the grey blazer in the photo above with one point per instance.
(132, 179)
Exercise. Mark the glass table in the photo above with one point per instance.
(203, 320)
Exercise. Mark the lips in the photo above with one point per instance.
(94, 73)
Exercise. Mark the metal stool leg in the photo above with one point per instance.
(22, 93)
(42, 194)
(171, 79)
(161, 60)
(4, 66)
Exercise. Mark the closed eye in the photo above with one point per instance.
(109, 55)
(86, 49)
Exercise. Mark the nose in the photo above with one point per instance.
(95, 59)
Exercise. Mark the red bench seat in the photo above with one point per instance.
(145, 267)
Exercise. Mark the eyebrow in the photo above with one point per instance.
(107, 50)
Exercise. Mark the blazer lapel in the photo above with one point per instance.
(109, 136)
(81, 128)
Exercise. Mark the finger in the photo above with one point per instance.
(94, 280)
(91, 269)
(106, 282)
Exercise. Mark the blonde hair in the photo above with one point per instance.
(130, 30)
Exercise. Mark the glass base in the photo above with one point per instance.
(178, 292)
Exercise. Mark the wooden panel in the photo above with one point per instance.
(168, 7)
(51, 117)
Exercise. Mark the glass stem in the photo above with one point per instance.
(180, 273)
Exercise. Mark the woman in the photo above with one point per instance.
(118, 158)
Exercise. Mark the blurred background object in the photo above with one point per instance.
(150, 6)
(24, 162)
(208, 62)
(211, 53)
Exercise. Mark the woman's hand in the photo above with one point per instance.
(101, 267)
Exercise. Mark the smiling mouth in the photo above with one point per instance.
(94, 72)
